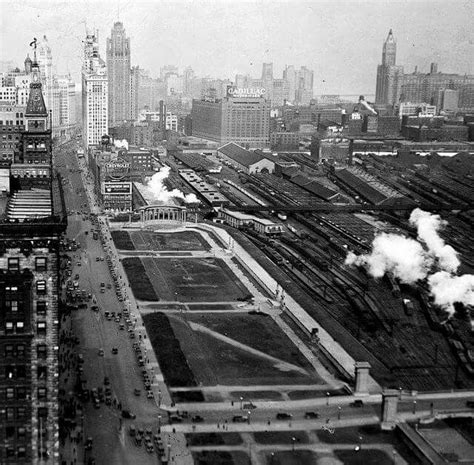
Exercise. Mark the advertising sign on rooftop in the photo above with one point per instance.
(117, 188)
(246, 92)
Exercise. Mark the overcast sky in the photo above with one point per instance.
(340, 40)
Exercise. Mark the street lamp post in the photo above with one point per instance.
(241, 400)
(248, 417)
(339, 408)
(414, 407)
(327, 397)
(159, 424)
(293, 440)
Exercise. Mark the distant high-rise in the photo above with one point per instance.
(94, 93)
(118, 69)
(134, 91)
(45, 62)
(389, 75)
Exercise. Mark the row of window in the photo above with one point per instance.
(19, 350)
(21, 393)
(13, 413)
(41, 264)
(19, 452)
(18, 327)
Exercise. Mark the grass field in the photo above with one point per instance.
(219, 361)
(256, 395)
(167, 348)
(122, 240)
(256, 331)
(193, 279)
(214, 439)
(363, 457)
(213, 457)
(138, 278)
(297, 457)
(300, 395)
(281, 437)
(183, 240)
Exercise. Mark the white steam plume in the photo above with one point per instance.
(160, 192)
(448, 289)
(409, 261)
(428, 226)
(405, 258)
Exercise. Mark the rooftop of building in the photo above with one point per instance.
(240, 155)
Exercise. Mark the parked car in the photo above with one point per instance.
(197, 419)
(309, 415)
(239, 419)
(128, 414)
(132, 430)
(137, 392)
(283, 416)
(114, 350)
(357, 403)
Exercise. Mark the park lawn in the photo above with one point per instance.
(214, 439)
(180, 241)
(288, 457)
(363, 457)
(213, 457)
(194, 279)
(257, 331)
(122, 240)
(214, 361)
(139, 280)
(281, 437)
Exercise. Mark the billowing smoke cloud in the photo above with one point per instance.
(448, 289)
(160, 193)
(410, 262)
(121, 143)
(402, 256)
(428, 226)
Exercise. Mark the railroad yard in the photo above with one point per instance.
(416, 348)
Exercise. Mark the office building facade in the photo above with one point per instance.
(95, 93)
(118, 68)
(243, 120)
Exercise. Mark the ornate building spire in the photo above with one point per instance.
(35, 106)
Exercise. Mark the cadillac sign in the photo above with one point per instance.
(253, 92)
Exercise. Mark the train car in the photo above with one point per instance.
(408, 306)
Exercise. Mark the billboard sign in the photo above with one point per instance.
(246, 92)
(116, 188)
(117, 169)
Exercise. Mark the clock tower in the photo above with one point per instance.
(34, 158)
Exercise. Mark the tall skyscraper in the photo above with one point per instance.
(389, 75)
(95, 93)
(118, 69)
(45, 62)
(289, 75)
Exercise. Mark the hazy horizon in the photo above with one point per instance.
(340, 41)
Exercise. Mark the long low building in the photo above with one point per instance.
(239, 219)
(208, 192)
(245, 160)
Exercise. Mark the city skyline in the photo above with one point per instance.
(341, 42)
